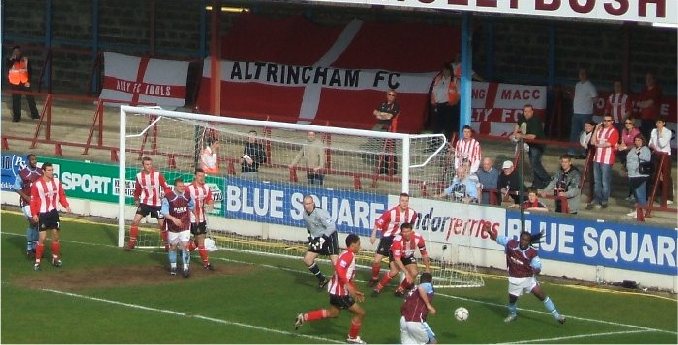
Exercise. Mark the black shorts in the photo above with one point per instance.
(144, 210)
(330, 247)
(342, 302)
(384, 247)
(48, 220)
(406, 261)
(199, 228)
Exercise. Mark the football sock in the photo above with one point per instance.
(354, 331)
(376, 267)
(35, 234)
(316, 271)
(203, 255)
(56, 249)
(316, 315)
(404, 285)
(186, 256)
(133, 233)
(550, 307)
(513, 310)
(39, 249)
(172, 254)
(192, 246)
(29, 238)
(384, 281)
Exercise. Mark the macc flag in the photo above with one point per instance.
(135, 80)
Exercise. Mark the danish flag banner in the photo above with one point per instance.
(134, 80)
(292, 70)
(496, 107)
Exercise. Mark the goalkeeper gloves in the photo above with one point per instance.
(318, 242)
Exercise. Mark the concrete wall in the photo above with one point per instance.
(172, 29)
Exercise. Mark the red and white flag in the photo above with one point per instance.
(134, 80)
(497, 107)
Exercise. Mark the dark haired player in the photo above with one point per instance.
(343, 293)
(523, 265)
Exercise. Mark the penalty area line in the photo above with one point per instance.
(196, 316)
(546, 340)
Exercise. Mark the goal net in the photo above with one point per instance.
(259, 172)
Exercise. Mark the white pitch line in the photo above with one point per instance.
(202, 317)
(546, 340)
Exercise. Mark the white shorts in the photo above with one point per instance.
(175, 238)
(415, 332)
(26, 210)
(519, 286)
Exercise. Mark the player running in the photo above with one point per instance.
(523, 265)
(343, 293)
(402, 259)
(147, 198)
(45, 192)
(22, 185)
(322, 238)
(176, 209)
(389, 224)
(201, 195)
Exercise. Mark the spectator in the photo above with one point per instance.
(386, 112)
(456, 68)
(532, 203)
(508, 183)
(660, 142)
(618, 104)
(585, 95)
(208, 156)
(467, 148)
(648, 102)
(487, 177)
(445, 96)
(585, 137)
(463, 188)
(253, 155)
(312, 153)
(628, 135)
(565, 183)
(534, 129)
(19, 78)
(605, 138)
(637, 179)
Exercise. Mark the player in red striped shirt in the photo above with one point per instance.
(389, 224)
(402, 259)
(201, 195)
(605, 139)
(343, 293)
(467, 148)
(618, 104)
(45, 192)
(148, 200)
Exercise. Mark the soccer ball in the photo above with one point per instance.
(461, 314)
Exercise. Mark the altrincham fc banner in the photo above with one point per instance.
(134, 80)
(292, 70)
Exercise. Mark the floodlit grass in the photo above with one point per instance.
(255, 298)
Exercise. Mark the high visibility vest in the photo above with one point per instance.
(453, 95)
(18, 73)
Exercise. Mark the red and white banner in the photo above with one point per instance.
(650, 11)
(134, 80)
(292, 70)
(496, 107)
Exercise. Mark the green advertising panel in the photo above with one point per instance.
(100, 182)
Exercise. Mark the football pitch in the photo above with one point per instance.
(103, 294)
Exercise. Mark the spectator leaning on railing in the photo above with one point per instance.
(605, 138)
(638, 156)
(508, 183)
(565, 183)
(463, 189)
(660, 142)
(532, 203)
(487, 177)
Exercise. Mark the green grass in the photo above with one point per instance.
(258, 300)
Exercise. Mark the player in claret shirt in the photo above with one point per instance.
(402, 259)
(343, 293)
(22, 185)
(523, 265)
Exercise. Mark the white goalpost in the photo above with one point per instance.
(263, 170)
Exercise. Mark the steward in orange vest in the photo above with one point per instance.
(19, 79)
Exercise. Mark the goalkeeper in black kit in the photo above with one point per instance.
(322, 238)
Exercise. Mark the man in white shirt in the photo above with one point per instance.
(585, 95)
(660, 142)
